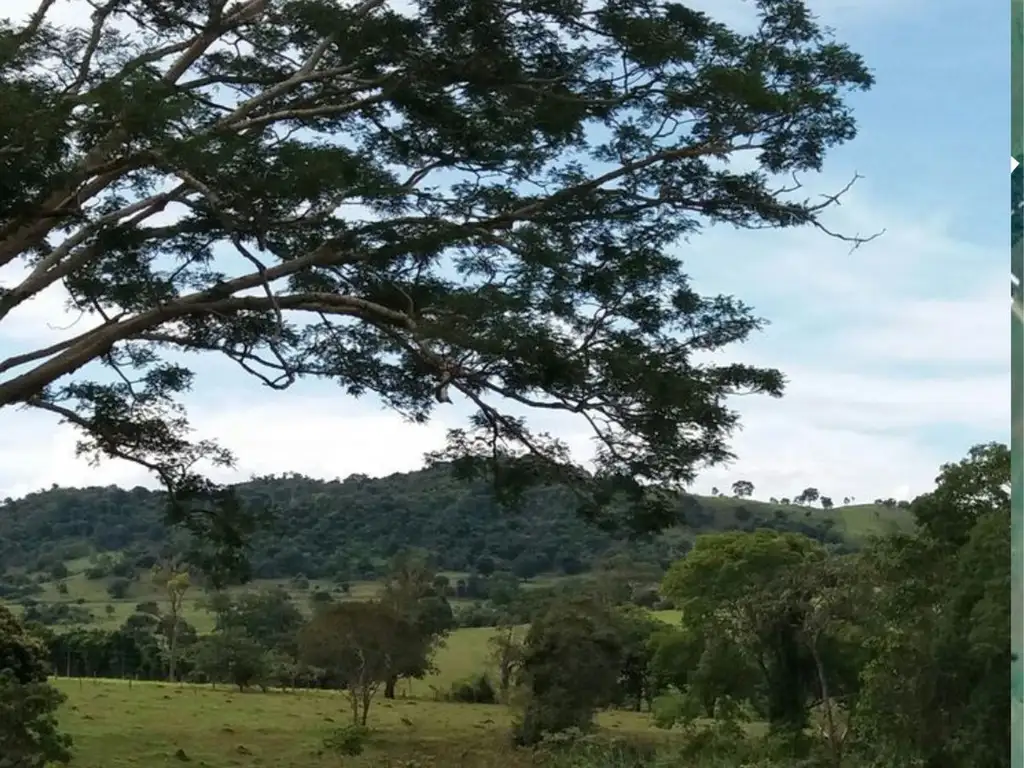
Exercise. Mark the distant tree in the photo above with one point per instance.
(359, 643)
(502, 588)
(742, 489)
(785, 502)
(118, 588)
(636, 628)
(29, 737)
(527, 565)
(507, 655)
(109, 609)
(715, 492)
(269, 616)
(571, 565)
(442, 584)
(175, 582)
(485, 566)
(826, 502)
(571, 663)
(410, 592)
(807, 496)
(148, 606)
(231, 656)
(773, 500)
(59, 571)
(846, 501)
(62, 588)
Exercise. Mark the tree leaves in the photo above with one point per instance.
(463, 200)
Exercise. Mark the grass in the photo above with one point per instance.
(115, 725)
(92, 595)
(859, 521)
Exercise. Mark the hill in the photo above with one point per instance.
(348, 529)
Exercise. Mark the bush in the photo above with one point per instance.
(575, 749)
(348, 741)
(476, 690)
(118, 588)
(646, 598)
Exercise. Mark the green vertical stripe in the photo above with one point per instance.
(1017, 374)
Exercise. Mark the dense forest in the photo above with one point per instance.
(349, 529)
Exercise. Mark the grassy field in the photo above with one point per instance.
(91, 594)
(115, 725)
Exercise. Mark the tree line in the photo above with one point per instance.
(348, 530)
(893, 655)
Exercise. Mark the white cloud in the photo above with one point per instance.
(910, 335)
(852, 421)
(973, 330)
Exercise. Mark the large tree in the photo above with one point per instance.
(941, 614)
(28, 703)
(478, 199)
(361, 644)
(409, 590)
(730, 585)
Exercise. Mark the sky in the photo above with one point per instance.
(897, 354)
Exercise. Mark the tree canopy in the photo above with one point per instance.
(450, 198)
(349, 529)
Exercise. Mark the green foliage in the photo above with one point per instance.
(29, 737)
(750, 597)
(233, 657)
(268, 616)
(118, 588)
(571, 663)
(363, 644)
(936, 687)
(475, 690)
(346, 741)
(576, 749)
(350, 529)
(472, 201)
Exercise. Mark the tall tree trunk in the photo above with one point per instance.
(389, 687)
(367, 695)
(834, 740)
(172, 649)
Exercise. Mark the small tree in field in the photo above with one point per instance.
(175, 583)
(507, 654)
(233, 657)
(359, 642)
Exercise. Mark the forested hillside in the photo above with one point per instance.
(347, 529)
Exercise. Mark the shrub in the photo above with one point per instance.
(575, 749)
(118, 588)
(475, 690)
(348, 741)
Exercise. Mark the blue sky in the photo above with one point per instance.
(897, 354)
